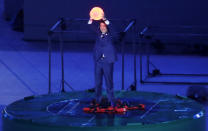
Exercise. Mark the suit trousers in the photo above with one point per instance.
(104, 69)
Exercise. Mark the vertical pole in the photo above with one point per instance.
(134, 51)
(123, 64)
(49, 64)
(141, 81)
(140, 63)
(62, 61)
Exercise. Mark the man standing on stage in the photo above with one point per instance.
(104, 57)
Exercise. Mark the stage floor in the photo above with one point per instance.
(64, 110)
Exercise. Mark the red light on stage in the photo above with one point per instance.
(96, 13)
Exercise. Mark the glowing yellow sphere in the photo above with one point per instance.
(96, 13)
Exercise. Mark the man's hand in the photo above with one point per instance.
(90, 21)
(107, 22)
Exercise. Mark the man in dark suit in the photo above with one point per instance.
(104, 57)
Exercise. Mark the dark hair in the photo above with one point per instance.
(102, 21)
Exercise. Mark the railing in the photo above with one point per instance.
(171, 34)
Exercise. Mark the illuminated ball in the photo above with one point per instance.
(96, 13)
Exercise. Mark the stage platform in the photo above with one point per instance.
(63, 112)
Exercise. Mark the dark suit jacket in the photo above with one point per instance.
(104, 45)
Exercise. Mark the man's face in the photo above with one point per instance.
(103, 28)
